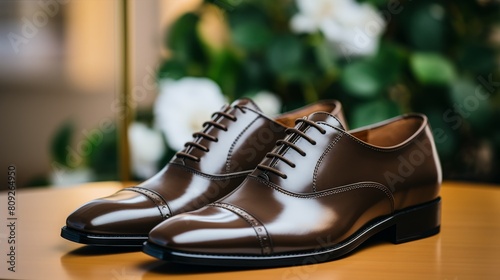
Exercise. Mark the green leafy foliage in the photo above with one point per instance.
(98, 150)
(471, 104)
(184, 41)
(250, 30)
(445, 136)
(373, 111)
(104, 154)
(172, 69)
(228, 5)
(426, 28)
(370, 78)
(362, 79)
(478, 58)
(432, 69)
(285, 57)
(251, 35)
(60, 141)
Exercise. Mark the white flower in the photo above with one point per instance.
(182, 106)
(268, 102)
(146, 149)
(353, 28)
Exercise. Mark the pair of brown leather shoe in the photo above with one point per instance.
(251, 191)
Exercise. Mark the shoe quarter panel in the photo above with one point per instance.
(411, 171)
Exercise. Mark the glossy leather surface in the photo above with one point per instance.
(238, 142)
(317, 199)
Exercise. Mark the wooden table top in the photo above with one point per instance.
(468, 246)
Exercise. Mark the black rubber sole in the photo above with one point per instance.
(406, 225)
(101, 239)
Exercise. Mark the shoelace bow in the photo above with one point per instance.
(204, 135)
(286, 143)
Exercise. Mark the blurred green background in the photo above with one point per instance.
(380, 58)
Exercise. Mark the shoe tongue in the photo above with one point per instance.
(247, 103)
(325, 117)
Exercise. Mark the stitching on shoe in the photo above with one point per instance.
(230, 153)
(258, 227)
(338, 190)
(330, 116)
(320, 161)
(157, 199)
(243, 173)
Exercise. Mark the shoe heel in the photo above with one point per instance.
(415, 223)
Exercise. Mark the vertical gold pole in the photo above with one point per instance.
(124, 154)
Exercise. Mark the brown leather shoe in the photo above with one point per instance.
(317, 196)
(212, 165)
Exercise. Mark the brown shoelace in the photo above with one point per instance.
(286, 143)
(217, 116)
